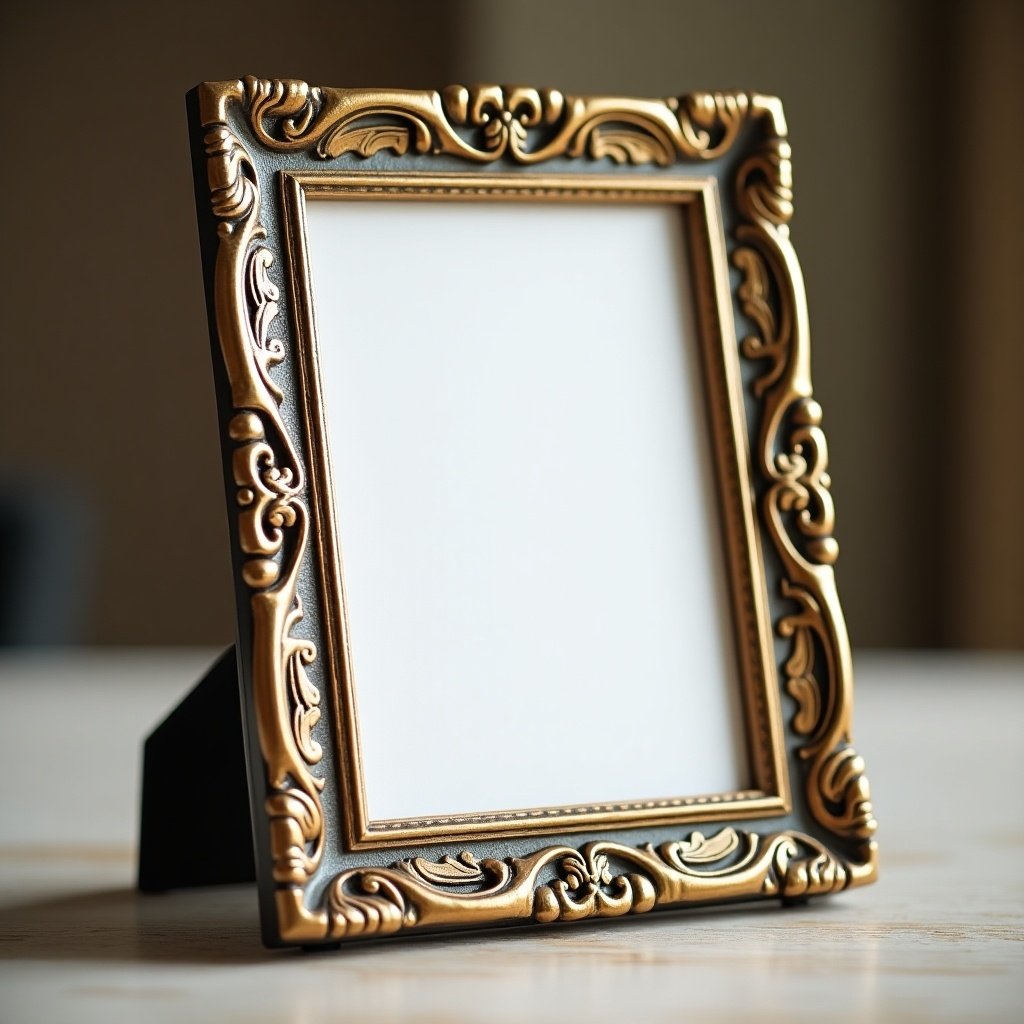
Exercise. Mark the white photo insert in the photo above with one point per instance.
(533, 558)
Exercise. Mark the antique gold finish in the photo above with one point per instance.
(785, 477)
(290, 115)
(728, 865)
(799, 514)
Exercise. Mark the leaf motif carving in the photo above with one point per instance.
(700, 849)
(625, 146)
(695, 857)
(264, 295)
(464, 870)
(799, 874)
(366, 141)
(366, 903)
(710, 121)
(305, 697)
(768, 341)
(765, 186)
(800, 682)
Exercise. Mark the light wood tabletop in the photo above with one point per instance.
(938, 938)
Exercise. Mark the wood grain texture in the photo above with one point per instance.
(938, 939)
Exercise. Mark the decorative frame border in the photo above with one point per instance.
(271, 521)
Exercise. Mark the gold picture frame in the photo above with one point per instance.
(805, 827)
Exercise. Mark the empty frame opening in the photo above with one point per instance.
(536, 595)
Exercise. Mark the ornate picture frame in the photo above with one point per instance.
(326, 871)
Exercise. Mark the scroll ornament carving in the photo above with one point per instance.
(526, 126)
(602, 879)
(272, 521)
(488, 122)
(797, 501)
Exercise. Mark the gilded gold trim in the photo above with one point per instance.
(526, 126)
(272, 518)
(290, 115)
(798, 512)
(601, 879)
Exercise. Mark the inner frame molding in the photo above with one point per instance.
(258, 143)
(700, 221)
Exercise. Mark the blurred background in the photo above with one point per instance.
(905, 122)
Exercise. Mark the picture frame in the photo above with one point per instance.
(275, 161)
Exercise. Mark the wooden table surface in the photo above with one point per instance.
(939, 938)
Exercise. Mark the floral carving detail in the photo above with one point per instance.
(589, 888)
(505, 115)
(802, 487)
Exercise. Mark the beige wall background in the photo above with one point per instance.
(909, 218)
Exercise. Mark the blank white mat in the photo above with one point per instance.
(525, 503)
